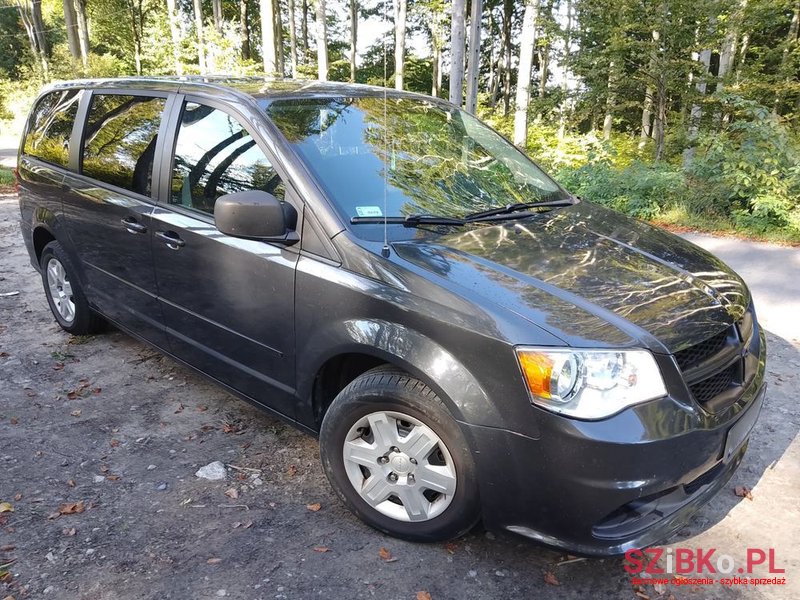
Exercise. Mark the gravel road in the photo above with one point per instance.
(108, 431)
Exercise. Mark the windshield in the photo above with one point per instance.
(433, 159)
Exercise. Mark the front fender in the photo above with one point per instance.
(409, 350)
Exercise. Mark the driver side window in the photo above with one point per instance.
(214, 156)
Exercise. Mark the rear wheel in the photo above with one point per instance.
(397, 458)
(64, 293)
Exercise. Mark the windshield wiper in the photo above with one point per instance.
(512, 208)
(409, 221)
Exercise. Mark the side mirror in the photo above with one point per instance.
(256, 215)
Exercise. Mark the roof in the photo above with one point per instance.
(255, 87)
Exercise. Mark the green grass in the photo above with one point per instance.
(6, 177)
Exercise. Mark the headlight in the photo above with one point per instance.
(590, 384)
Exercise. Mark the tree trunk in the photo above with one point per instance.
(322, 42)
(293, 40)
(83, 31)
(35, 37)
(696, 112)
(135, 13)
(400, 10)
(270, 60)
(493, 65)
(276, 8)
(216, 7)
(544, 65)
(71, 24)
(304, 31)
(526, 46)
(474, 60)
(198, 25)
(353, 4)
(562, 110)
(508, 15)
(791, 41)
(244, 30)
(611, 101)
(175, 35)
(457, 52)
(660, 122)
(436, 76)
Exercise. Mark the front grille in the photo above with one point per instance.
(694, 355)
(710, 387)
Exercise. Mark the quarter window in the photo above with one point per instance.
(120, 140)
(215, 155)
(51, 127)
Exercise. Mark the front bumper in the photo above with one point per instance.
(601, 488)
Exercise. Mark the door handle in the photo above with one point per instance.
(171, 239)
(133, 226)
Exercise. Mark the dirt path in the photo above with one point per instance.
(106, 422)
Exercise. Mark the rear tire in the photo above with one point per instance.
(398, 460)
(64, 293)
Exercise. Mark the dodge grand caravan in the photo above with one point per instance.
(468, 339)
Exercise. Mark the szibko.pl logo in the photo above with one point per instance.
(682, 561)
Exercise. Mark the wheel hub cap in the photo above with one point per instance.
(60, 290)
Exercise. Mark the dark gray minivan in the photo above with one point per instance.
(468, 339)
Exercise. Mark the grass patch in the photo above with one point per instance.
(6, 179)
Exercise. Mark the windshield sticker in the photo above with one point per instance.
(369, 211)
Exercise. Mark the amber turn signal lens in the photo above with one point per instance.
(538, 370)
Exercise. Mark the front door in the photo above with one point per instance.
(228, 303)
(108, 208)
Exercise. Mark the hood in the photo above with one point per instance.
(591, 276)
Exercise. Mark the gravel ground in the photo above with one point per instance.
(111, 433)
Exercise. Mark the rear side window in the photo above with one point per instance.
(51, 127)
(119, 140)
(215, 155)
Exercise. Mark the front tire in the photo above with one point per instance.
(398, 460)
(64, 293)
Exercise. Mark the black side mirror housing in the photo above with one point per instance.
(256, 215)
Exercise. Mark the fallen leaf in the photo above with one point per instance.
(247, 525)
(72, 508)
(291, 471)
(314, 507)
(70, 532)
(232, 493)
(321, 549)
(97, 390)
(114, 443)
(451, 547)
(53, 515)
(550, 578)
(423, 595)
(58, 366)
(7, 548)
(179, 409)
(202, 408)
(71, 482)
(13, 420)
(640, 593)
(75, 413)
(384, 554)
(103, 468)
(743, 492)
(17, 497)
(214, 561)
(112, 477)
(6, 507)
(228, 428)
(30, 393)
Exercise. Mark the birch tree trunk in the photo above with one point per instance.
(562, 110)
(198, 25)
(216, 8)
(293, 40)
(267, 13)
(696, 112)
(71, 24)
(508, 14)
(436, 76)
(457, 52)
(279, 62)
(175, 35)
(304, 31)
(611, 101)
(474, 60)
(83, 31)
(322, 42)
(353, 4)
(33, 28)
(526, 46)
(244, 29)
(400, 11)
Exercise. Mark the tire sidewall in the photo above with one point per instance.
(354, 403)
(83, 315)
